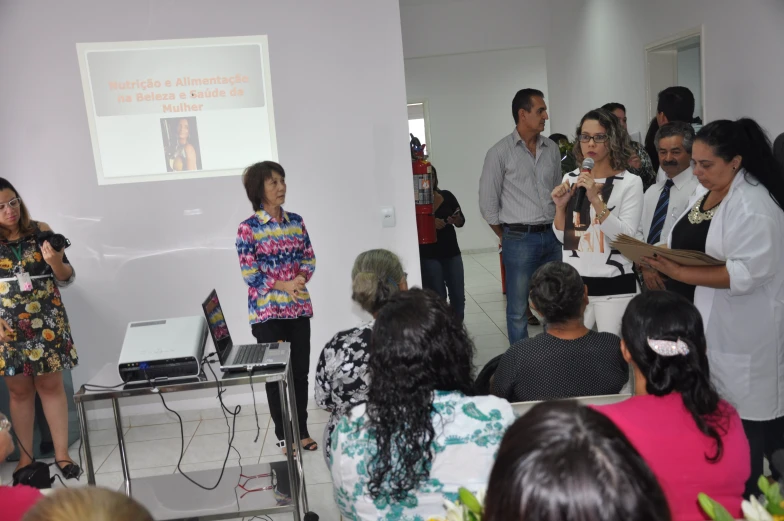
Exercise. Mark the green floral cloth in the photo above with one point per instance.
(468, 433)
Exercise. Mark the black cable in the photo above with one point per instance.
(255, 411)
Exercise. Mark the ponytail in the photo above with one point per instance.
(747, 139)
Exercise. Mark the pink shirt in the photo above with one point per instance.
(16, 501)
(664, 432)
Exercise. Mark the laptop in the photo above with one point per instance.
(245, 357)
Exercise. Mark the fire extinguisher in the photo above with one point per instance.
(423, 193)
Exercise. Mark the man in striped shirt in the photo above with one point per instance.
(519, 174)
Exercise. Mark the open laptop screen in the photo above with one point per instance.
(217, 325)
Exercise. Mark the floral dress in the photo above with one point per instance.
(342, 377)
(468, 432)
(43, 341)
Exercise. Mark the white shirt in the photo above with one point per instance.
(683, 188)
(595, 257)
(744, 325)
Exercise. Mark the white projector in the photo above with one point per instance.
(163, 349)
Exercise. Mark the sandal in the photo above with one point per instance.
(310, 447)
(70, 470)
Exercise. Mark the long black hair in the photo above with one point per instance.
(418, 347)
(747, 139)
(663, 315)
(566, 461)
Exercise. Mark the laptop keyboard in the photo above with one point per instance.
(250, 354)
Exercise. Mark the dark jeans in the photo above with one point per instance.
(297, 333)
(523, 254)
(442, 275)
(765, 438)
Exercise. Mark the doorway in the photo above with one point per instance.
(676, 61)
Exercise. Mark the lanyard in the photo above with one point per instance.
(17, 250)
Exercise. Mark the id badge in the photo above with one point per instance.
(24, 280)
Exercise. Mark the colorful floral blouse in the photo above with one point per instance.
(271, 251)
(43, 341)
(468, 434)
(646, 171)
(341, 375)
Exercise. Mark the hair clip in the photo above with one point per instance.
(668, 347)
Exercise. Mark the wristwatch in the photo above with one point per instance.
(603, 214)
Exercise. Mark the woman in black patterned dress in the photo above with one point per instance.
(35, 337)
(341, 372)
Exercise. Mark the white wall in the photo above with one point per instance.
(469, 100)
(690, 75)
(137, 253)
(596, 48)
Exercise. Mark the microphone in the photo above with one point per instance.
(579, 197)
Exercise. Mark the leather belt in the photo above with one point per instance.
(529, 228)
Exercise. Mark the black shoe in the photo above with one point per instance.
(70, 470)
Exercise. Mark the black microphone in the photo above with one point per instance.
(579, 197)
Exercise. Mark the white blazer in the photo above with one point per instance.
(744, 325)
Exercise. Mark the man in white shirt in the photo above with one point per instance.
(665, 201)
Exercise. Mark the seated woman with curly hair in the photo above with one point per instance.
(420, 436)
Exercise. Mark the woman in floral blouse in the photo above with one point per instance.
(35, 337)
(341, 373)
(420, 436)
(277, 260)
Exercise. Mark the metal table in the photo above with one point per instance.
(259, 504)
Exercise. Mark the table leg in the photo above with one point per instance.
(88, 455)
(121, 446)
(289, 437)
(298, 440)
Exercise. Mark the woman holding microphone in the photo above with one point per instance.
(736, 216)
(277, 260)
(593, 207)
(35, 336)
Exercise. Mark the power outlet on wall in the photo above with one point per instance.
(387, 216)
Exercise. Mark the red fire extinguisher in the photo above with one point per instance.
(423, 194)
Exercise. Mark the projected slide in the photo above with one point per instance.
(178, 109)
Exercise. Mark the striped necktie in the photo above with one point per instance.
(660, 214)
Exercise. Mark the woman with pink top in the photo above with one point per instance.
(692, 439)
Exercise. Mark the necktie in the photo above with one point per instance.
(660, 214)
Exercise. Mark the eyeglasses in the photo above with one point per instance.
(13, 203)
(598, 138)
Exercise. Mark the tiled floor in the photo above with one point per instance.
(153, 441)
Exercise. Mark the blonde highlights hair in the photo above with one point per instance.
(375, 277)
(618, 142)
(87, 504)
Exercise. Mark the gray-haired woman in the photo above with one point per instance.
(341, 372)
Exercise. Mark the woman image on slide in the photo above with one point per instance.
(181, 154)
(35, 336)
(277, 260)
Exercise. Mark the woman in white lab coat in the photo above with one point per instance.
(736, 215)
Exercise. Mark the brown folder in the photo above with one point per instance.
(634, 250)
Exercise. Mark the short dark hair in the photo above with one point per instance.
(557, 292)
(610, 107)
(254, 177)
(562, 460)
(522, 100)
(676, 128)
(677, 103)
(664, 315)
(558, 138)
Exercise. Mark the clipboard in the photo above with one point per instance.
(634, 250)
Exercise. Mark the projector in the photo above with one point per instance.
(163, 349)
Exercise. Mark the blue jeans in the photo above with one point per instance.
(442, 275)
(523, 254)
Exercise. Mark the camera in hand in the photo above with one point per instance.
(56, 240)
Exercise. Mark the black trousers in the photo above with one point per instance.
(297, 333)
(765, 438)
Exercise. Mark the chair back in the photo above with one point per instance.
(520, 408)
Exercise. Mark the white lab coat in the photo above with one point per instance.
(744, 325)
